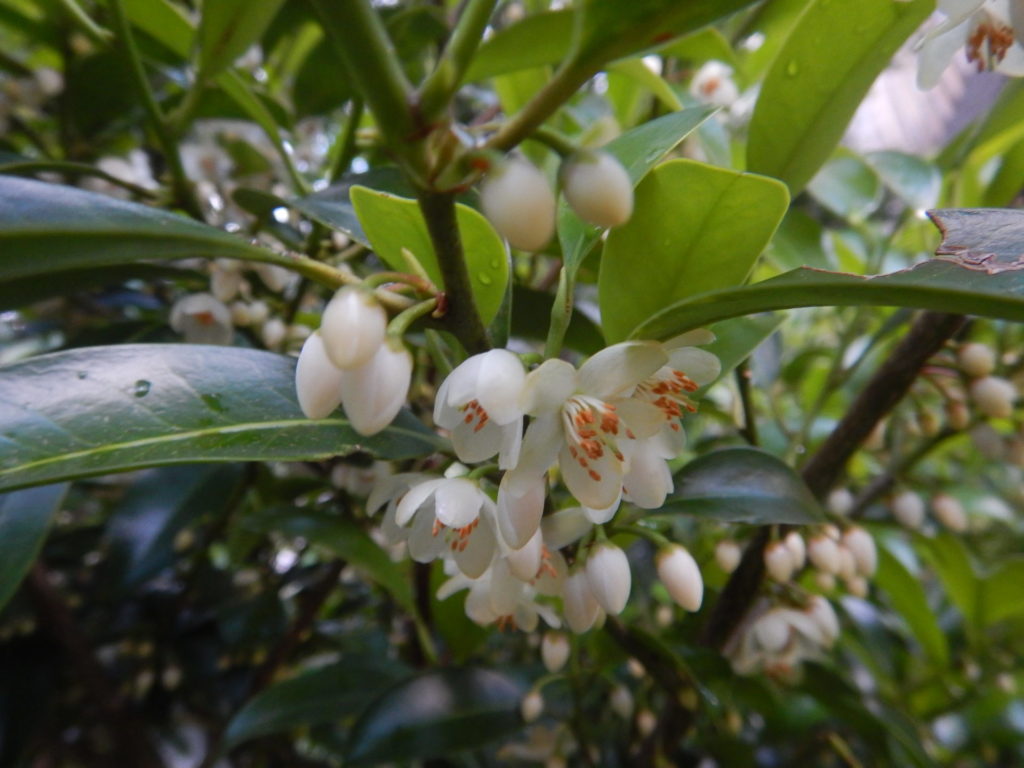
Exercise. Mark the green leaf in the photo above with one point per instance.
(948, 557)
(694, 228)
(736, 339)
(436, 714)
(639, 150)
(743, 485)
(392, 223)
(1001, 593)
(531, 310)
(320, 695)
(108, 409)
(228, 27)
(916, 181)
(819, 78)
(346, 540)
(536, 41)
(848, 187)
(47, 228)
(908, 599)
(24, 520)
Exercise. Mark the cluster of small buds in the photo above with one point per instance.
(518, 200)
(909, 509)
(352, 362)
(850, 555)
(993, 396)
(776, 640)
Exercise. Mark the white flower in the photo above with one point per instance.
(597, 188)
(353, 327)
(609, 577)
(950, 512)
(520, 508)
(823, 552)
(374, 393)
(480, 403)
(728, 555)
(862, 546)
(201, 319)
(519, 202)
(713, 84)
(908, 508)
(497, 596)
(680, 574)
(578, 602)
(317, 380)
(991, 30)
(977, 359)
(555, 650)
(778, 561)
(994, 396)
(452, 517)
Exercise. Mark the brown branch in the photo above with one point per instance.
(881, 394)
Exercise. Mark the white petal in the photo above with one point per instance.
(317, 380)
(540, 447)
(598, 490)
(699, 365)
(564, 527)
(602, 516)
(457, 502)
(552, 578)
(479, 552)
(648, 480)
(936, 53)
(1013, 62)
(615, 370)
(579, 604)
(548, 387)
(609, 576)
(500, 383)
(373, 394)
(424, 546)
(524, 563)
(520, 506)
(511, 442)
(473, 445)
(353, 326)
(415, 498)
(643, 419)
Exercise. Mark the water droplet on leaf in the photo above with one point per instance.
(485, 278)
(792, 68)
(141, 388)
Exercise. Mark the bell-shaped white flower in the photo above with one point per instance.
(201, 319)
(480, 403)
(797, 548)
(994, 396)
(374, 393)
(597, 188)
(579, 604)
(554, 651)
(728, 555)
(976, 359)
(713, 84)
(990, 30)
(317, 380)
(520, 508)
(680, 574)
(862, 546)
(451, 517)
(908, 508)
(609, 576)
(353, 327)
(950, 512)
(526, 562)
(823, 552)
(778, 561)
(497, 596)
(580, 417)
(517, 199)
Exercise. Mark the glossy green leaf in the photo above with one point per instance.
(395, 223)
(20, 292)
(743, 485)
(108, 409)
(770, 24)
(1002, 596)
(736, 339)
(819, 78)
(346, 540)
(141, 531)
(948, 556)
(908, 599)
(531, 310)
(24, 521)
(918, 182)
(694, 228)
(48, 228)
(537, 40)
(436, 714)
(639, 150)
(848, 187)
(228, 27)
(319, 695)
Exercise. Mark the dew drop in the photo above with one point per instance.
(485, 278)
(141, 388)
(212, 402)
(82, 374)
(495, 264)
(792, 68)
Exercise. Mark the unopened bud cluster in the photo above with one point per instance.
(849, 555)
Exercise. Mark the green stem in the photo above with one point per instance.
(92, 30)
(439, 86)
(401, 323)
(344, 149)
(561, 314)
(182, 189)
(461, 318)
(743, 375)
(555, 141)
(645, 533)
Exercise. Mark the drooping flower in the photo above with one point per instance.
(989, 30)
(498, 597)
(517, 199)
(373, 393)
(480, 403)
(680, 574)
(597, 188)
(317, 380)
(609, 577)
(353, 327)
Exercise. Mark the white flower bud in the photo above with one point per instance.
(977, 359)
(778, 561)
(258, 312)
(635, 668)
(908, 509)
(597, 188)
(771, 631)
(664, 616)
(646, 722)
(373, 393)
(862, 547)
(554, 651)
(840, 501)
(580, 606)
(317, 380)
(621, 702)
(531, 706)
(994, 396)
(680, 574)
(728, 555)
(517, 199)
(826, 581)
(795, 544)
(274, 277)
(609, 577)
(353, 327)
(847, 563)
(950, 512)
(273, 332)
(240, 314)
(857, 586)
(824, 553)
(824, 615)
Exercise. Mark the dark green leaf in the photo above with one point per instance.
(20, 292)
(743, 485)
(1002, 595)
(320, 695)
(736, 339)
(48, 228)
(436, 714)
(530, 312)
(948, 556)
(819, 78)
(228, 27)
(537, 40)
(108, 409)
(24, 520)
(694, 228)
(907, 597)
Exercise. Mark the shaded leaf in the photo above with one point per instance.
(848, 187)
(1001, 594)
(108, 409)
(537, 40)
(990, 239)
(916, 181)
(908, 599)
(948, 557)
(436, 714)
(743, 485)
(736, 339)
(24, 520)
(228, 27)
(694, 228)
(818, 80)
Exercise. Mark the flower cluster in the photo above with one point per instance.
(988, 30)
